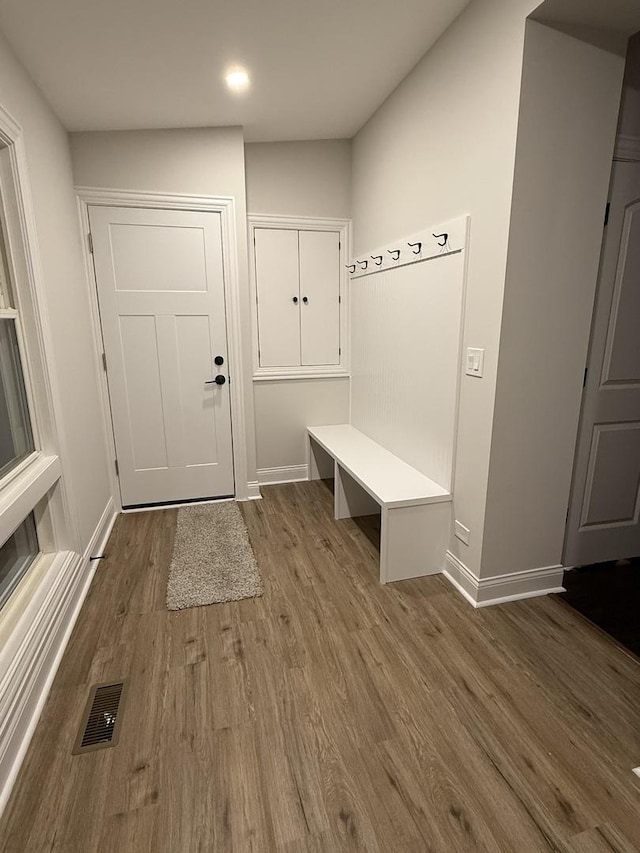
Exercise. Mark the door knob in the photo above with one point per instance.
(219, 380)
(218, 360)
(295, 300)
(305, 299)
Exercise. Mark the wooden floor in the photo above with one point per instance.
(332, 713)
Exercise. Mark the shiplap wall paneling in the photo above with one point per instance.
(277, 285)
(319, 297)
(406, 328)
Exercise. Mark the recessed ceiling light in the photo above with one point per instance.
(237, 79)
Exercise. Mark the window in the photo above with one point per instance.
(35, 533)
(16, 555)
(16, 436)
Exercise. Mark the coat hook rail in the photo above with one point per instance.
(438, 241)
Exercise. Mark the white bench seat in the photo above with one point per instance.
(416, 511)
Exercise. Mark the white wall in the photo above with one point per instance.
(441, 146)
(301, 178)
(630, 108)
(405, 351)
(284, 410)
(297, 179)
(76, 368)
(566, 137)
(193, 161)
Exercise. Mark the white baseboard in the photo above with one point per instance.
(101, 534)
(286, 474)
(253, 491)
(39, 619)
(483, 592)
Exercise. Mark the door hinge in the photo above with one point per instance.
(104, 362)
(115, 462)
(584, 378)
(339, 299)
(339, 245)
(90, 241)
(607, 211)
(339, 350)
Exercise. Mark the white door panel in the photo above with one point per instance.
(161, 292)
(611, 494)
(622, 354)
(278, 291)
(320, 295)
(143, 392)
(158, 257)
(603, 522)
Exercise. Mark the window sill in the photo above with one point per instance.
(25, 488)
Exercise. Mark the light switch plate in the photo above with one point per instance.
(475, 362)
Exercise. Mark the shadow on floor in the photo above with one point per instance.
(609, 595)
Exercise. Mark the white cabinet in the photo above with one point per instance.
(278, 297)
(300, 307)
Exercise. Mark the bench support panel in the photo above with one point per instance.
(413, 541)
(321, 463)
(414, 534)
(350, 498)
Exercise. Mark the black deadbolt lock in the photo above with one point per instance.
(220, 379)
(219, 359)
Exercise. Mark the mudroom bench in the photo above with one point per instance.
(415, 511)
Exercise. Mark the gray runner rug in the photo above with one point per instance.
(213, 560)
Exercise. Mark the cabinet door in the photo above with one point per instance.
(320, 297)
(278, 293)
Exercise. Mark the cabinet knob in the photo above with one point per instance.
(295, 300)
(305, 299)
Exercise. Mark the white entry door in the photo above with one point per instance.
(162, 308)
(604, 514)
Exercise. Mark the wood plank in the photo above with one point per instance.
(332, 713)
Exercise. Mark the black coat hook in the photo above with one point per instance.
(363, 264)
(351, 268)
(445, 237)
(377, 259)
(418, 250)
(395, 253)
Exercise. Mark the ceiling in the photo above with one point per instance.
(319, 69)
(606, 24)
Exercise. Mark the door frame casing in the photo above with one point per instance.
(225, 206)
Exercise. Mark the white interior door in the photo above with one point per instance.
(278, 292)
(162, 308)
(320, 297)
(604, 514)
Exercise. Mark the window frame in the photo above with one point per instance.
(14, 314)
(35, 484)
